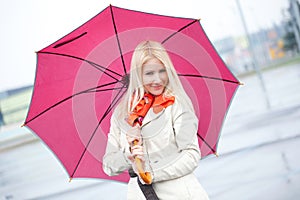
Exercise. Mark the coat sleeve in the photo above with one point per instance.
(115, 160)
(185, 126)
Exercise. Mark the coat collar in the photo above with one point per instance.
(154, 105)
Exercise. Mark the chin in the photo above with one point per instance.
(156, 93)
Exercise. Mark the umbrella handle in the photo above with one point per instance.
(146, 176)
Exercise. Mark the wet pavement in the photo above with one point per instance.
(258, 152)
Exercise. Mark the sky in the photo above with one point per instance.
(28, 26)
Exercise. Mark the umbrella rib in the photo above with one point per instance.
(105, 90)
(118, 40)
(182, 28)
(67, 98)
(70, 40)
(208, 77)
(206, 143)
(95, 65)
(113, 103)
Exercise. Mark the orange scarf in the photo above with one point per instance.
(158, 103)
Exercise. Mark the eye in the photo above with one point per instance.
(162, 71)
(149, 73)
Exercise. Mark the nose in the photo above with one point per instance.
(156, 78)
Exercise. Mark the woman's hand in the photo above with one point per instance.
(134, 134)
(136, 152)
(137, 159)
(134, 140)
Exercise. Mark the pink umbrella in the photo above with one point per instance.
(81, 77)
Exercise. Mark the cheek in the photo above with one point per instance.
(146, 80)
(147, 88)
(165, 78)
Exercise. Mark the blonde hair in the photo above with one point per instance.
(145, 51)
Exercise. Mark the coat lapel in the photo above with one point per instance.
(150, 116)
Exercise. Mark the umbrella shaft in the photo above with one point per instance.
(146, 176)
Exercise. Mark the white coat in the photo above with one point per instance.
(171, 152)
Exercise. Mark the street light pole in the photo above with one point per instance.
(251, 49)
(296, 20)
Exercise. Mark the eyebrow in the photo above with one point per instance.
(159, 65)
(147, 71)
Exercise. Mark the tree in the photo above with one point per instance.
(290, 43)
(289, 38)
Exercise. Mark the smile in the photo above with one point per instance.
(156, 87)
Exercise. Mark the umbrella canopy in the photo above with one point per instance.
(81, 78)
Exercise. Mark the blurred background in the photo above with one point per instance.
(259, 40)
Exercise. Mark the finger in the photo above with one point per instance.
(131, 139)
(135, 147)
(137, 152)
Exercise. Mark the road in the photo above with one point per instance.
(258, 152)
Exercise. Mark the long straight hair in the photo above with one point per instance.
(144, 52)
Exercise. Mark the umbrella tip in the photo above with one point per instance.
(23, 125)
(240, 83)
(70, 179)
(217, 155)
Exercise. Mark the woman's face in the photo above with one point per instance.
(155, 77)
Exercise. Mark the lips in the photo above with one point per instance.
(157, 87)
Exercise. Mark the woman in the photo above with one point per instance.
(167, 135)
